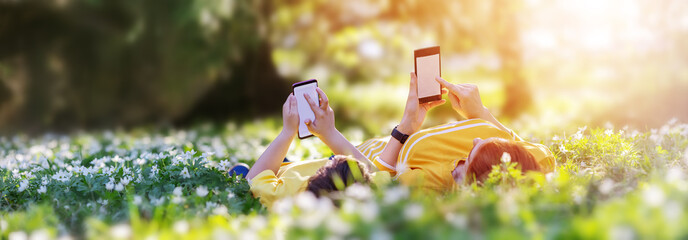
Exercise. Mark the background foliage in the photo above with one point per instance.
(172, 93)
(74, 64)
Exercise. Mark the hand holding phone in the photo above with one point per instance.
(428, 66)
(305, 112)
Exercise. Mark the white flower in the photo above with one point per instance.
(230, 195)
(209, 205)
(177, 191)
(306, 200)
(338, 226)
(506, 157)
(359, 191)
(622, 233)
(283, 206)
(368, 211)
(185, 173)
(220, 210)
(40, 234)
(119, 187)
(606, 186)
(125, 180)
(653, 196)
(42, 189)
(109, 185)
(62, 176)
(674, 174)
(458, 221)
(381, 234)
(673, 211)
(181, 227)
(154, 171)
(608, 132)
(18, 235)
(393, 195)
(137, 200)
(120, 231)
(413, 211)
(23, 185)
(224, 165)
(140, 161)
(158, 202)
(202, 191)
(562, 148)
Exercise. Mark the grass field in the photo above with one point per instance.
(170, 184)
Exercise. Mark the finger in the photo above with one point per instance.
(292, 103)
(413, 88)
(309, 125)
(444, 83)
(431, 105)
(325, 102)
(316, 110)
(444, 91)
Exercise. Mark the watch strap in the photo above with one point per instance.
(399, 135)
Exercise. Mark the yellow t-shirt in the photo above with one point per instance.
(428, 157)
(292, 178)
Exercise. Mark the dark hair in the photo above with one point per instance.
(490, 154)
(337, 172)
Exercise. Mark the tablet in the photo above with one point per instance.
(428, 66)
(305, 112)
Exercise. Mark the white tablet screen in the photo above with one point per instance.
(428, 68)
(305, 111)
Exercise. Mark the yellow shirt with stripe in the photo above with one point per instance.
(428, 157)
(292, 178)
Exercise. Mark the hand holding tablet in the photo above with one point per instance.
(305, 112)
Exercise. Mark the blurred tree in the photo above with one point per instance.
(99, 63)
(103, 63)
(362, 40)
(5, 93)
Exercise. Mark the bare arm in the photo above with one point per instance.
(323, 127)
(414, 115)
(465, 99)
(272, 158)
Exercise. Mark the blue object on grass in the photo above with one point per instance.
(239, 169)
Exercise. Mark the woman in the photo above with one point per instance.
(439, 157)
(271, 179)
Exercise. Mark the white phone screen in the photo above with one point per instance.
(305, 111)
(428, 68)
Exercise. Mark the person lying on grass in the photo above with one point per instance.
(439, 157)
(270, 178)
(435, 158)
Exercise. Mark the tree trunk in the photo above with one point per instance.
(516, 87)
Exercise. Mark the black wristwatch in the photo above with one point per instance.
(399, 136)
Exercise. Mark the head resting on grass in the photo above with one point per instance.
(337, 174)
(487, 153)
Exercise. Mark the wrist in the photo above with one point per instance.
(485, 114)
(288, 132)
(405, 128)
(333, 132)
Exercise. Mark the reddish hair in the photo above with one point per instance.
(490, 154)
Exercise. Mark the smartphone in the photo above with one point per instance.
(305, 112)
(428, 66)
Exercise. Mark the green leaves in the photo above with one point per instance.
(607, 183)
